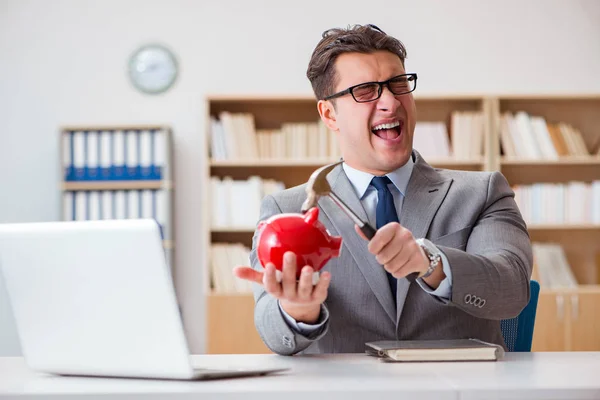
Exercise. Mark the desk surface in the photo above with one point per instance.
(343, 376)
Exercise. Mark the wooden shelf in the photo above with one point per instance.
(535, 227)
(563, 228)
(233, 235)
(290, 172)
(578, 289)
(271, 162)
(295, 172)
(117, 185)
(114, 128)
(244, 235)
(248, 229)
(524, 172)
(316, 163)
(212, 293)
(435, 109)
(242, 97)
(569, 235)
(563, 161)
(465, 165)
(269, 112)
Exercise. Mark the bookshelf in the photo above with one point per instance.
(118, 172)
(562, 309)
(567, 317)
(583, 113)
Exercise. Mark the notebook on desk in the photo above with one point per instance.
(435, 350)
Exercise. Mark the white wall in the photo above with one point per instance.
(63, 62)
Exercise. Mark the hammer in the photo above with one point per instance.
(318, 186)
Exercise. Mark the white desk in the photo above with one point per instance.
(345, 376)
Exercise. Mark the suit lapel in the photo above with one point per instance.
(373, 272)
(425, 193)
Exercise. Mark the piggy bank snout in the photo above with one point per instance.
(336, 246)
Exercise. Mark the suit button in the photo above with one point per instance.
(482, 303)
(477, 301)
(287, 342)
(468, 299)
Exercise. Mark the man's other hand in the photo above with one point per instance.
(298, 297)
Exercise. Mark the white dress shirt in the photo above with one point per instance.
(361, 182)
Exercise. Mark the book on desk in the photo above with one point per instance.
(435, 350)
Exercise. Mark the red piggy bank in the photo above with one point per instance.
(302, 234)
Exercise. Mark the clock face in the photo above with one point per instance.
(153, 69)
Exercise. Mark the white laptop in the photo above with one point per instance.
(96, 298)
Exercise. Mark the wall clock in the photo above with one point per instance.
(153, 69)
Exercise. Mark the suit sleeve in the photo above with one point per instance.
(497, 264)
(270, 323)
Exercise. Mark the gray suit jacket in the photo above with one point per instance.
(471, 216)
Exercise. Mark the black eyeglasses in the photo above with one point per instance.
(371, 91)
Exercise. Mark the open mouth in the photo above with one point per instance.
(388, 131)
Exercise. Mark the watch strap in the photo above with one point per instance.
(432, 253)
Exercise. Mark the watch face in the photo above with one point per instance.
(153, 69)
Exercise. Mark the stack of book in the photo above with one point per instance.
(551, 267)
(531, 137)
(557, 203)
(109, 155)
(82, 205)
(431, 140)
(233, 136)
(236, 203)
(465, 141)
(225, 256)
(467, 134)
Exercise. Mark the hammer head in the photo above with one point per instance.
(317, 186)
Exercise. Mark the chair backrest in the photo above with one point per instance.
(518, 331)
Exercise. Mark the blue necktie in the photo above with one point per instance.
(386, 212)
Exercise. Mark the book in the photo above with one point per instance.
(435, 350)
(115, 154)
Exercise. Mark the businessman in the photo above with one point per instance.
(461, 232)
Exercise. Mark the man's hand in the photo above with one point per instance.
(300, 299)
(396, 249)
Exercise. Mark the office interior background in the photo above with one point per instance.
(64, 63)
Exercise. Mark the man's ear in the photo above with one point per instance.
(328, 114)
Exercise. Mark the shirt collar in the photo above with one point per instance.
(361, 180)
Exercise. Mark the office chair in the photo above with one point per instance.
(518, 331)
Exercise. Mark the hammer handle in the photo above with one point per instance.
(369, 232)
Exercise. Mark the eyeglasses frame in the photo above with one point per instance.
(379, 92)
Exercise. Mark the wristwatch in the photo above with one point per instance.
(432, 253)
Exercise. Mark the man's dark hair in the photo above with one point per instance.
(356, 39)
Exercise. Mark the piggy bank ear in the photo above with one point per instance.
(261, 225)
(311, 216)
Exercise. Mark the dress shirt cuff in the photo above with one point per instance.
(301, 327)
(444, 290)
